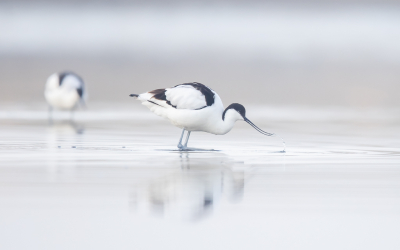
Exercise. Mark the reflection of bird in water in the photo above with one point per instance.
(193, 191)
(66, 127)
(194, 107)
(64, 91)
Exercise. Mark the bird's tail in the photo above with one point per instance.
(134, 96)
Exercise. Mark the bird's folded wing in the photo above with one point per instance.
(185, 97)
(72, 81)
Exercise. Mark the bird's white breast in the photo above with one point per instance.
(64, 96)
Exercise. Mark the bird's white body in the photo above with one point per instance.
(64, 91)
(191, 107)
(195, 107)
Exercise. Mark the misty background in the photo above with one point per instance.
(303, 53)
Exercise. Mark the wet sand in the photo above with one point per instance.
(114, 180)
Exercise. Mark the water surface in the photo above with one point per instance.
(109, 180)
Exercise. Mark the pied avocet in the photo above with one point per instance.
(194, 107)
(64, 91)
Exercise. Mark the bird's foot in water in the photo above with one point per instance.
(184, 148)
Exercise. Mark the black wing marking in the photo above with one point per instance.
(159, 94)
(154, 103)
(209, 95)
(206, 91)
(80, 92)
(61, 77)
(64, 74)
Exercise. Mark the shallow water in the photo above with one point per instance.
(114, 181)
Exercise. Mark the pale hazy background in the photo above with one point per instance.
(323, 75)
(300, 53)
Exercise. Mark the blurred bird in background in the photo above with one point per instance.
(65, 91)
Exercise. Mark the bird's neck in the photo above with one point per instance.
(224, 125)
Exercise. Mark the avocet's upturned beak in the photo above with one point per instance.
(133, 95)
(257, 128)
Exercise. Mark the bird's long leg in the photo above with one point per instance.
(71, 114)
(185, 147)
(187, 139)
(180, 146)
(50, 115)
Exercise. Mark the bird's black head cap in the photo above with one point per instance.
(238, 107)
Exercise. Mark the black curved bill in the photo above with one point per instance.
(257, 128)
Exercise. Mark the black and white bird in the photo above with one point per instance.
(64, 91)
(194, 107)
